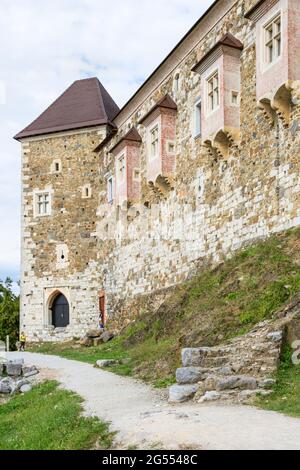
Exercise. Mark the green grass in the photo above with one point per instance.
(48, 418)
(214, 306)
(285, 397)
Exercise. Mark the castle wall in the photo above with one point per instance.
(213, 207)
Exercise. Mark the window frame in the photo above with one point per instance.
(155, 126)
(38, 204)
(275, 18)
(215, 91)
(110, 189)
(198, 118)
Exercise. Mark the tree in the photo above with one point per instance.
(9, 313)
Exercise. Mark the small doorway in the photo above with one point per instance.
(102, 308)
(60, 312)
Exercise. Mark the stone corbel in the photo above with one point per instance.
(222, 141)
(162, 186)
(279, 106)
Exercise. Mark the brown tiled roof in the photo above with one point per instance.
(227, 40)
(132, 136)
(85, 103)
(166, 102)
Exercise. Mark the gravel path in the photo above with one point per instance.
(144, 419)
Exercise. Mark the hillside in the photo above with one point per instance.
(214, 306)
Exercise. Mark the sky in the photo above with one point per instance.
(45, 45)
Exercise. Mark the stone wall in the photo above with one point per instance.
(213, 207)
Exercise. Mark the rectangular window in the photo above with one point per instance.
(122, 167)
(154, 142)
(234, 98)
(213, 93)
(110, 189)
(43, 203)
(273, 40)
(198, 118)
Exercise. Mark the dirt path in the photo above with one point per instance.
(144, 419)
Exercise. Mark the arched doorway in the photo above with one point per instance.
(60, 312)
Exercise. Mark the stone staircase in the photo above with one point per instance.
(236, 371)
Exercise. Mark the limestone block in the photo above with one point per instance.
(182, 393)
(189, 375)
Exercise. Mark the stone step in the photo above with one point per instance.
(192, 375)
(203, 357)
(243, 396)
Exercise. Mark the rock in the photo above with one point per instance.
(188, 375)
(7, 386)
(210, 396)
(29, 371)
(87, 342)
(97, 341)
(275, 336)
(26, 388)
(94, 333)
(2, 368)
(239, 381)
(19, 383)
(106, 363)
(192, 357)
(226, 370)
(182, 393)
(107, 336)
(14, 369)
(246, 394)
(267, 383)
(265, 393)
(209, 384)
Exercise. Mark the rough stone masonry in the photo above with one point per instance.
(201, 160)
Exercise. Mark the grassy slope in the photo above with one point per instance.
(49, 419)
(207, 310)
(286, 394)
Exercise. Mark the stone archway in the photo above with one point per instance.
(58, 308)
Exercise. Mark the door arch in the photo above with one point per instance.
(60, 311)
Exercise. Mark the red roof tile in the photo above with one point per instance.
(227, 40)
(165, 102)
(132, 136)
(85, 103)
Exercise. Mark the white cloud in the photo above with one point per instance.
(46, 45)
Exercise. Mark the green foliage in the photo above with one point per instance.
(285, 397)
(9, 313)
(48, 418)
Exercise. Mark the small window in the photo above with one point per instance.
(136, 174)
(176, 83)
(273, 40)
(213, 92)
(171, 147)
(122, 167)
(154, 142)
(234, 98)
(110, 189)
(198, 118)
(43, 204)
(86, 192)
(56, 166)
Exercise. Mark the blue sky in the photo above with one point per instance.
(48, 44)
